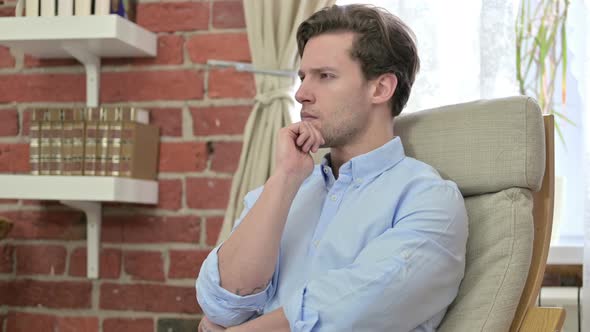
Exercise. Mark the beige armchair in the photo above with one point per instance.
(500, 153)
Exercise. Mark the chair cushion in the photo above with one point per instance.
(484, 146)
(499, 250)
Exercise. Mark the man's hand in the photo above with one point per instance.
(293, 149)
(207, 326)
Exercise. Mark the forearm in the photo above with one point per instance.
(247, 259)
(274, 321)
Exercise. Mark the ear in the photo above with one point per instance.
(384, 88)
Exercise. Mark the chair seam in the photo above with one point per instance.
(508, 263)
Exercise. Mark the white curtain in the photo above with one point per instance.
(272, 27)
(586, 173)
(466, 49)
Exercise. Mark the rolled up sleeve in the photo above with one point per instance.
(218, 304)
(401, 279)
(223, 307)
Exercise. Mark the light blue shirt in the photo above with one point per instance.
(381, 248)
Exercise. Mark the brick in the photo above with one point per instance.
(213, 225)
(170, 194)
(21, 321)
(76, 324)
(148, 297)
(128, 325)
(33, 62)
(172, 17)
(205, 193)
(14, 158)
(6, 58)
(41, 203)
(177, 324)
(219, 46)
(55, 225)
(8, 123)
(43, 87)
(110, 263)
(50, 294)
(182, 156)
(186, 263)
(26, 122)
(40, 259)
(169, 52)
(226, 156)
(152, 229)
(6, 258)
(226, 120)
(228, 15)
(168, 119)
(8, 201)
(144, 265)
(228, 83)
(7, 11)
(151, 85)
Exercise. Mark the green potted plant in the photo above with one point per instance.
(541, 53)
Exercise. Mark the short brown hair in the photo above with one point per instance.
(384, 44)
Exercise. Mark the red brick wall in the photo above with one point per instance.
(150, 253)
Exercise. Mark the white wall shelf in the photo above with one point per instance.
(84, 193)
(566, 253)
(86, 38)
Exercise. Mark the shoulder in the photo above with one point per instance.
(422, 187)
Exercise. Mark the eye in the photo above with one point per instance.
(326, 76)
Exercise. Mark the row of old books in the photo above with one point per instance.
(124, 8)
(103, 141)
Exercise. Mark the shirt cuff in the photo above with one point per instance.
(222, 306)
(300, 317)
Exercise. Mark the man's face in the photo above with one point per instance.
(334, 94)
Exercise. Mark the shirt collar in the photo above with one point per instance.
(368, 165)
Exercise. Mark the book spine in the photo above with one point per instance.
(82, 7)
(35, 141)
(65, 8)
(47, 7)
(126, 148)
(56, 157)
(78, 139)
(102, 145)
(67, 141)
(90, 142)
(32, 7)
(45, 145)
(139, 150)
(114, 142)
(102, 7)
(135, 115)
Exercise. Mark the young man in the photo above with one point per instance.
(370, 240)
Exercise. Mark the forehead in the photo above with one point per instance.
(329, 49)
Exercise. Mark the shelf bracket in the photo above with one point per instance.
(92, 66)
(93, 211)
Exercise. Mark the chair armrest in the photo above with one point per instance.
(543, 319)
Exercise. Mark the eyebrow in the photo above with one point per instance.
(317, 70)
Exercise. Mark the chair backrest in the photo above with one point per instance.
(495, 151)
(543, 201)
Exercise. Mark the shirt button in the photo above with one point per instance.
(316, 243)
(358, 181)
(326, 169)
(333, 197)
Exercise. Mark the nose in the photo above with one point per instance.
(304, 94)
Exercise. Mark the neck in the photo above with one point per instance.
(379, 132)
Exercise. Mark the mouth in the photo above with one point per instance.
(307, 116)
